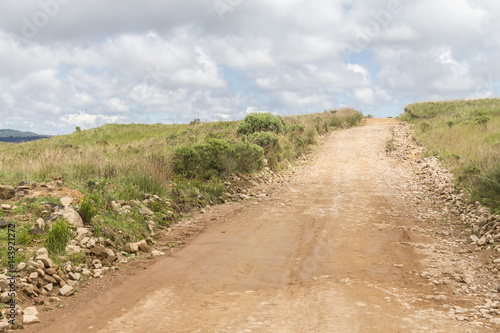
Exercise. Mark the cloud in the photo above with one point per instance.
(67, 63)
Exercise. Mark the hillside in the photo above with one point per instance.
(177, 168)
(9, 135)
(465, 135)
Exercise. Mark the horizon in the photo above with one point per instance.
(165, 62)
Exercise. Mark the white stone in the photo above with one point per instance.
(70, 249)
(41, 224)
(29, 319)
(42, 251)
(156, 253)
(31, 310)
(67, 290)
(66, 202)
(21, 266)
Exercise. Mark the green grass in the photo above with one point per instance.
(465, 135)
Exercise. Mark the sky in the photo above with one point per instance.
(68, 63)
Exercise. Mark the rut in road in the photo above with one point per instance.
(326, 253)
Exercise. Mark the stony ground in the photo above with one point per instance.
(369, 237)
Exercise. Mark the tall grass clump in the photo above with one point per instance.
(465, 135)
(58, 237)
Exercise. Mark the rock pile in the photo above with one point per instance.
(440, 185)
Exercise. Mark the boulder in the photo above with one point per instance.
(7, 192)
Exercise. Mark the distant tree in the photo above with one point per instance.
(78, 129)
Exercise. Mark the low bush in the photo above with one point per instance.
(261, 122)
(87, 209)
(216, 158)
(58, 237)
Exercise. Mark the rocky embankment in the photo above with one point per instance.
(466, 261)
(42, 284)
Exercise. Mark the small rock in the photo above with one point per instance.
(146, 211)
(144, 247)
(47, 262)
(99, 251)
(74, 276)
(132, 248)
(31, 311)
(5, 297)
(48, 287)
(41, 224)
(21, 266)
(42, 252)
(7, 192)
(50, 279)
(70, 249)
(29, 319)
(156, 253)
(86, 272)
(67, 290)
(6, 207)
(66, 202)
(473, 238)
(54, 299)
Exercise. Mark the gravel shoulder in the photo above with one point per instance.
(352, 242)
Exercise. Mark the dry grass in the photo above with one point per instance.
(466, 136)
(142, 153)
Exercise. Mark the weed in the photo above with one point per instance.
(87, 209)
(58, 237)
(390, 146)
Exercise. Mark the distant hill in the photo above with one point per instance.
(9, 135)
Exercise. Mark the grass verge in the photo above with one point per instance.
(465, 135)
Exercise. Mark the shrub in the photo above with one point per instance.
(248, 157)
(267, 140)
(296, 128)
(215, 158)
(261, 122)
(482, 120)
(87, 209)
(58, 237)
(425, 126)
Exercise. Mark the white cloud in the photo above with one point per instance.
(175, 61)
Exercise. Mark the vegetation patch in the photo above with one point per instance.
(465, 136)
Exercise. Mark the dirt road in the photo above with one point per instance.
(330, 251)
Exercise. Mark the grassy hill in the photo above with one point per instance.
(466, 137)
(9, 135)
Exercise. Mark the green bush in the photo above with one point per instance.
(248, 157)
(58, 237)
(425, 126)
(216, 158)
(354, 119)
(87, 209)
(267, 140)
(261, 122)
(296, 128)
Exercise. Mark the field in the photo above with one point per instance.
(465, 135)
